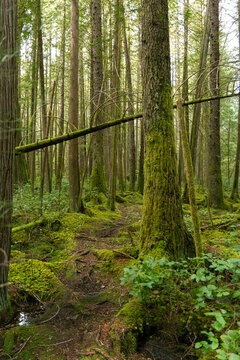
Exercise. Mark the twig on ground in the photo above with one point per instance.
(99, 351)
(224, 224)
(52, 317)
(56, 344)
(131, 238)
(87, 353)
(21, 348)
(124, 254)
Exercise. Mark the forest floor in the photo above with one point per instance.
(82, 323)
(78, 326)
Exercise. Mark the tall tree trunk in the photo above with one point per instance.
(34, 88)
(234, 194)
(185, 85)
(214, 156)
(116, 82)
(45, 173)
(190, 181)
(8, 109)
(98, 180)
(20, 168)
(60, 160)
(199, 91)
(141, 161)
(163, 227)
(74, 181)
(82, 141)
(130, 107)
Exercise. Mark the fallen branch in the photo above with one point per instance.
(21, 348)
(30, 225)
(99, 351)
(224, 224)
(124, 254)
(56, 344)
(76, 134)
(87, 353)
(52, 317)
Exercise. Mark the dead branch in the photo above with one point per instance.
(52, 317)
(124, 254)
(56, 344)
(99, 351)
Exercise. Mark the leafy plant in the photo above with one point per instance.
(214, 283)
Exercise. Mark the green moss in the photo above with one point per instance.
(133, 315)
(128, 343)
(34, 277)
(34, 338)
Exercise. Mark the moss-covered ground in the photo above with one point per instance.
(65, 282)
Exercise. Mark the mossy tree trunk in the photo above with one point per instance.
(74, 180)
(116, 85)
(184, 87)
(190, 180)
(234, 194)
(98, 180)
(163, 226)
(34, 91)
(199, 91)
(130, 105)
(45, 173)
(8, 110)
(60, 155)
(214, 156)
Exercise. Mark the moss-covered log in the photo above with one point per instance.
(30, 225)
(73, 135)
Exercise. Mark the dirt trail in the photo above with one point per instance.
(100, 294)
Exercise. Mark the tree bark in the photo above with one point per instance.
(45, 173)
(130, 107)
(74, 181)
(234, 194)
(8, 109)
(163, 228)
(60, 159)
(116, 82)
(214, 156)
(98, 180)
(199, 90)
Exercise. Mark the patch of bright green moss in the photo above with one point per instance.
(133, 314)
(34, 277)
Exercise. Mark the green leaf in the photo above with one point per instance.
(236, 294)
(234, 357)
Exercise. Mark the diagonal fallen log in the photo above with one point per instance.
(41, 144)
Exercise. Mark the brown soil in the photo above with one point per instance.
(85, 333)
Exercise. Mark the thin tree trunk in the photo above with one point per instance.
(234, 194)
(60, 160)
(190, 181)
(74, 181)
(198, 93)
(34, 88)
(98, 181)
(130, 107)
(42, 90)
(116, 82)
(214, 157)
